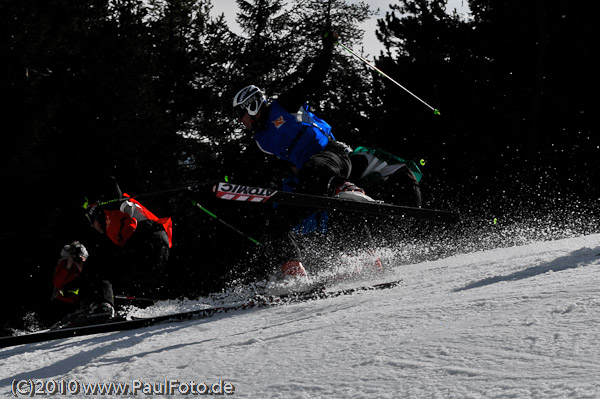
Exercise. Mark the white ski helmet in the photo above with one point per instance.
(75, 249)
(250, 99)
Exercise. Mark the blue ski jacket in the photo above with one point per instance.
(288, 130)
(293, 137)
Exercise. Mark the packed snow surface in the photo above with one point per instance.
(518, 322)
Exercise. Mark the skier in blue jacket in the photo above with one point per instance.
(285, 128)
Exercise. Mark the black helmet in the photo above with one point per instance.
(94, 211)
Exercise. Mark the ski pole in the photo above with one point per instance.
(435, 110)
(196, 204)
(151, 194)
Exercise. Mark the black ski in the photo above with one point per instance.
(235, 192)
(118, 324)
(320, 292)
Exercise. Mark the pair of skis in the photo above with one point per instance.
(236, 192)
(120, 324)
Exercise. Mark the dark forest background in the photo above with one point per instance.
(141, 90)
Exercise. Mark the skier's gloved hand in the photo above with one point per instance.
(330, 38)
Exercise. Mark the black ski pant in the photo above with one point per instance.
(325, 171)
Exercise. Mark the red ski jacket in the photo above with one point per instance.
(61, 278)
(121, 224)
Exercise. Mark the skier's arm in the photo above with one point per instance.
(295, 97)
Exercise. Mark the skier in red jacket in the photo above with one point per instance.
(67, 272)
(131, 255)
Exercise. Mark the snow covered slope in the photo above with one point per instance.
(521, 322)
